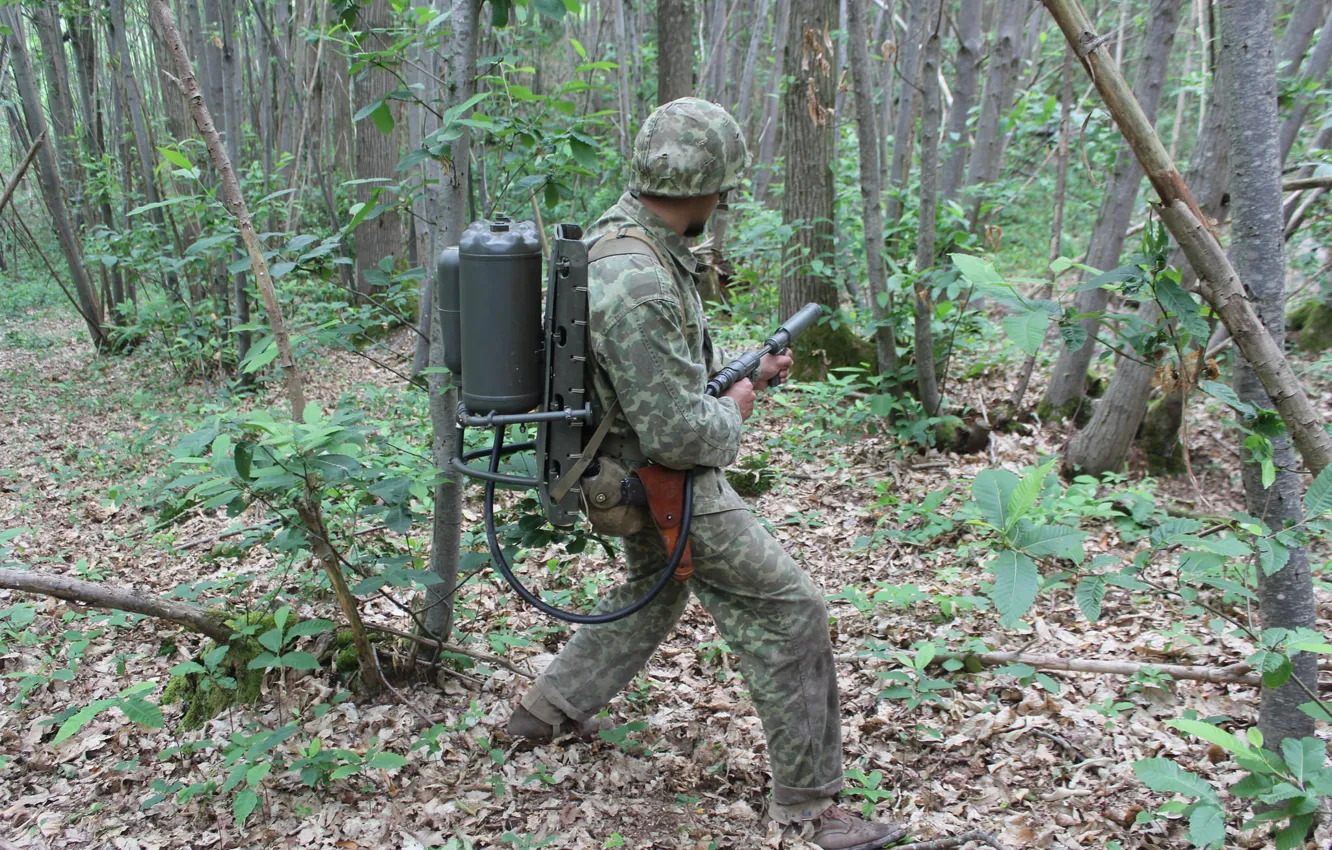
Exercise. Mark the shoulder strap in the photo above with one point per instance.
(576, 471)
(626, 240)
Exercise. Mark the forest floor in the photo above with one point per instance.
(1037, 768)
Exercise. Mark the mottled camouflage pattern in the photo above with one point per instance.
(686, 148)
(650, 350)
(772, 617)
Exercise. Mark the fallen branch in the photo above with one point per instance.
(977, 835)
(17, 176)
(1299, 184)
(117, 599)
(450, 647)
(1235, 674)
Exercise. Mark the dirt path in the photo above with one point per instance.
(80, 450)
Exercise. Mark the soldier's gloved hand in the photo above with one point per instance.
(773, 366)
(742, 393)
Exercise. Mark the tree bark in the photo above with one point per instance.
(380, 237)
(1316, 69)
(927, 379)
(1286, 597)
(744, 107)
(1295, 41)
(1220, 285)
(460, 84)
(909, 59)
(127, 599)
(1103, 445)
(48, 174)
(807, 202)
(1004, 56)
(772, 102)
(867, 136)
(1069, 378)
(622, 75)
(964, 95)
(60, 104)
(675, 49)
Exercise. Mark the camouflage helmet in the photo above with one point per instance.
(686, 148)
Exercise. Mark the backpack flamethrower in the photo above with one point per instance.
(523, 369)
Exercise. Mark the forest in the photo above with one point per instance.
(1055, 452)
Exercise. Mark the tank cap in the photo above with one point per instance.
(500, 224)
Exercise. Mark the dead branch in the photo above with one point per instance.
(1299, 184)
(17, 176)
(450, 647)
(976, 835)
(116, 598)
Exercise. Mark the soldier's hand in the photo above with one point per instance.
(773, 366)
(742, 393)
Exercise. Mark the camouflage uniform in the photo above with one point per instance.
(650, 349)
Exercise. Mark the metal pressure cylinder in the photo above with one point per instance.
(500, 303)
(446, 273)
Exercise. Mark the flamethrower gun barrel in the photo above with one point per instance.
(747, 364)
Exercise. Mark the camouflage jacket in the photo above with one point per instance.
(650, 349)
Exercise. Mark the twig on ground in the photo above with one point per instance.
(977, 835)
(397, 695)
(1062, 742)
(449, 647)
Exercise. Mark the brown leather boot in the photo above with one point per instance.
(525, 724)
(837, 829)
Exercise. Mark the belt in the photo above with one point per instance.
(626, 448)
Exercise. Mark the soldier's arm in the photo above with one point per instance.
(661, 389)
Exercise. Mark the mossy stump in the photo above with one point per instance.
(821, 349)
(1159, 436)
(204, 698)
(754, 477)
(1312, 321)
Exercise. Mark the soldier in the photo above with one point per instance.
(650, 361)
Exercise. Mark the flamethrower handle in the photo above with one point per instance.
(747, 364)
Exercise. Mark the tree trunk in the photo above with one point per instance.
(909, 57)
(1068, 380)
(867, 135)
(1316, 69)
(378, 238)
(744, 106)
(675, 49)
(768, 125)
(927, 379)
(460, 84)
(48, 174)
(1295, 41)
(1104, 444)
(1057, 224)
(60, 104)
(1004, 57)
(426, 208)
(807, 203)
(235, 122)
(622, 74)
(1248, 69)
(964, 95)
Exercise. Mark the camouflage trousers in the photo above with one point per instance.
(771, 615)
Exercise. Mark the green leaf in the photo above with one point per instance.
(553, 9)
(344, 771)
(186, 667)
(499, 13)
(1212, 734)
(1318, 498)
(1182, 305)
(387, 761)
(1207, 826)
(175, 157)
(1059, 541)
(1015, 583)
(1316, 711)
(1024, 495)
(143, 713)
(244, 803)
(1165, 777)
(300, 661)
(383, 118)
(1074, 335)
(1293, 835)
(1089, 593)
(263, 661)
(976, 270)
(1304, 756)
(1225, 394)
(1027, 329)
(244, 456)
(991, 490)
(77, 721)
(306, 628)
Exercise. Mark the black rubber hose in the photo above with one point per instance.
(667, 574)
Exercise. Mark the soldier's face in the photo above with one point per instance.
(699, 214)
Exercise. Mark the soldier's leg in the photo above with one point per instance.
(599, 661)
(773, 617)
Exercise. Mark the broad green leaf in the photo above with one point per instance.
(187, 667)
(143, 713)
(243, 458)
(1027, 329)
(175, 157)
(1059, 541)
(387, 761)
(1182, 305)
(343, 771)
(300, 661)
(1212, 734)
(1074, 335)
(1207, 826)
(383, 118)
(1318, 498)
(1165, 777)
(77, 721)
(263, 661)
(553, 9)
(1015, 582)
(244, 803)
(1089, 593)
(272, 640)
(1293, 835)
(1225, 394)
(991, 490)
(1304, 756)
(1024, 495)
(976, 270)
(306, 628)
